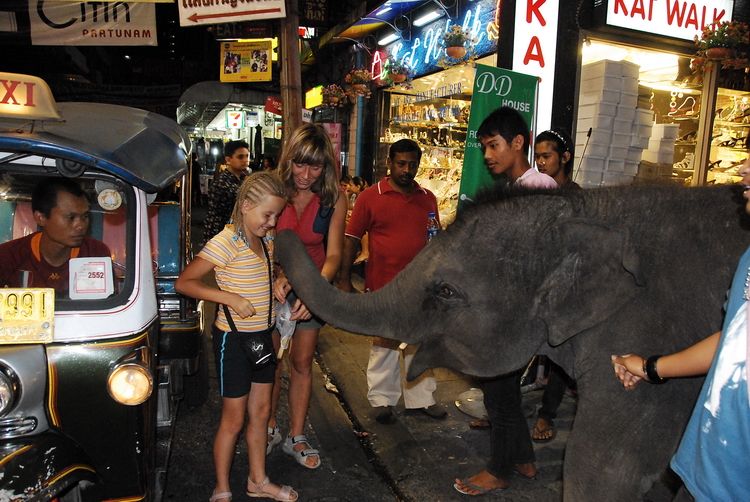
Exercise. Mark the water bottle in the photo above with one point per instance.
(433, 227)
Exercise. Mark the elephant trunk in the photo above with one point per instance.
(358, 313)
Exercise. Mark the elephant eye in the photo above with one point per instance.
(447, 292)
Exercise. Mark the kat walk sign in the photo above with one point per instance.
(195, 12)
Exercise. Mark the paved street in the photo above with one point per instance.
(415, 459)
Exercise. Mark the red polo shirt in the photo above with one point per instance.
(397, 226)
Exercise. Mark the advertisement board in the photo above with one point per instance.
(245, 61)
(195, 12)
(92, 23)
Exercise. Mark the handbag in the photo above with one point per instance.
(258, 345)
(322, 219)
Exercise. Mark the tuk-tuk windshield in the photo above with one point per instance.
(74, 235)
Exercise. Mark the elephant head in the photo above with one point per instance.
(506, 278)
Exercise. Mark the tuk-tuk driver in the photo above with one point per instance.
(61, 210)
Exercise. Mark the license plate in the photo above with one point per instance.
(27, 315)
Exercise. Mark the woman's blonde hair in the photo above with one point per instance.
(254, 189)
(309, 144)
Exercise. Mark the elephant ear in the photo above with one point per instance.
(599, 272)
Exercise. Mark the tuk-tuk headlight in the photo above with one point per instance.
(8, 391)
(130, 383)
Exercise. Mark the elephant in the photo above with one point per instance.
(578, 275)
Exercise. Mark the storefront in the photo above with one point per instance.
(648, 109)
(433, 108)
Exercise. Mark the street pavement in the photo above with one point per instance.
(417, 458)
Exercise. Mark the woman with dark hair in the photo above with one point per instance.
(553, 155)
(316, 212)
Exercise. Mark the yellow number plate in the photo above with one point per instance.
(27, 315)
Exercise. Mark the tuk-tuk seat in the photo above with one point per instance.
(16, 220)
(164, 228)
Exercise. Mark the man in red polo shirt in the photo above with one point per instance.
(394, 214)
(62, 211)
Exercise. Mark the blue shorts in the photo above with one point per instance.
(234, 367)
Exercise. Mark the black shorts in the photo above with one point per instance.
(233, 366)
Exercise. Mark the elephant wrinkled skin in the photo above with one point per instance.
(576, 274)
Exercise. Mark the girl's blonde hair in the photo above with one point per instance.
(309, 144)
(254, 189)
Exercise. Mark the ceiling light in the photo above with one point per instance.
(392, 37)
(428, 17)
(382, 11)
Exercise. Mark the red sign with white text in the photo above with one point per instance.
(672, 18)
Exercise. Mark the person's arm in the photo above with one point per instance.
(692, 361)
(351, 246)
(190, 283)
(335, 240)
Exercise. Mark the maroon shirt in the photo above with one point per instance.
(25, 254)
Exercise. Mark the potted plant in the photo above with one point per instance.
(359, 79)
(721, 41)
(397, 71)
(334, 95)
(454, 40)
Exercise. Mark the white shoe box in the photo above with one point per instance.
(661, 145)
(604, 122)
(631, 168)
(644, 117)
(596, 97)
(594, 149)
(629, 69)
(625, 113)
(589, 178)
(604, 67)
(618, 152)
(667, 131)
(615, 179)
(621, 139)
(622, 126)
(615, 165)
(639, 141)
(592, 163)
(604, 82)
(634, 154)
(657, 157)
(599, 135)
(602, 108)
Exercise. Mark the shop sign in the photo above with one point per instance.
(273, 105)
(195, 12)
(333, 129)
(313, 12)
(92, 23)
(26, 97)
(234, 119)
(425, 49)
(493, 88)
(306, 116)
(240, 30)
(245, 61)
(672, 18)
(534, 48)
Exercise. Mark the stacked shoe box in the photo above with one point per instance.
(658, 157)
(607, 106)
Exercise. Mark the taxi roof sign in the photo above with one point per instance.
(27, 98)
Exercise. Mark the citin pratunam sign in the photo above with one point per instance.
(246, 61)
(493, 88)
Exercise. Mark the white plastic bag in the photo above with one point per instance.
(284, 325)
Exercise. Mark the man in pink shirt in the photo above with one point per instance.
(504, 137)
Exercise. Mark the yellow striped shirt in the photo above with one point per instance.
(239, 270)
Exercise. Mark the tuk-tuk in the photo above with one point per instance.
(89, 379)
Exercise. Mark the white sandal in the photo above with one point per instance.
(274, 438)
(258, 490)
(221, 496)
(302, 454)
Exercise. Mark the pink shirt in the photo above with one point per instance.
(534, 179)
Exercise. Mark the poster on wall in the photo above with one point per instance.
(493, 88)
(92, 23)
(245, 61)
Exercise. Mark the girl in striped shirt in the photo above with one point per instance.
(241, 256)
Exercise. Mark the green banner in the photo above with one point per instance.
(493, 88)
